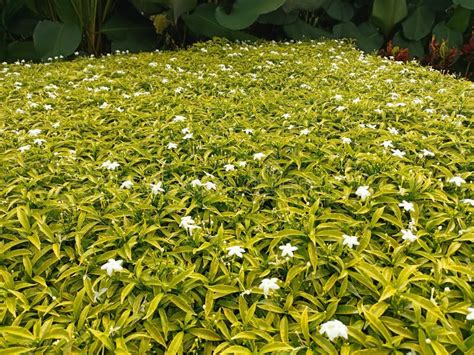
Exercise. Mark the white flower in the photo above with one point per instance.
(248, 131)
(258, 156)
(304, 132)
(112, 265)
(24, 148)
(287, 250)
(185, 130)
(470, 314)
(387, 144)
(267, 285)
(346, 140)
(334, 329)
(127, 184)
(338, 97)
(99, 293)
(196, 182)
(189, 224)
(235, 250)
(109, 165)
(427, 153)
(171, 145)
(340, 108)
(39, 141)
(407, 206)
(393, 130)
(286, 115)
(104, 105)
(398, 153)
(242, 163)
(210, 185)
(188, 136)
(112, 330)
(408, 235)
(468, 201)
(56, 125)
(457, 180)
(350, 240)
(363, 192)
(229, 167)
(156, 188)
(34, 132)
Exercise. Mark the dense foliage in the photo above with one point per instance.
(236, 198)
(41, 29)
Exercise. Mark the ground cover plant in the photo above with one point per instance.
(236, 198)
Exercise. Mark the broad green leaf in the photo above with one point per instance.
(176, 345)
(53, 39)
(468, 4)
(387, 13)
(340, 10)
(205, 334)
(153, 305)
(419, 24)
(443, 32)
(300, 30)
(245, 12)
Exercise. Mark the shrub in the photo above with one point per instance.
(235, 198)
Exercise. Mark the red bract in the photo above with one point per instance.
(441, 56)
(468, 49)
(397, 53)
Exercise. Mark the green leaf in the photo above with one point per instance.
(180, 7)
(205, 334)
(176, 344)
(340, 10)
(387, 13)
(304, 5)
(203, 22)
(103, 338)
(299, 30)
(278, 17)
(17, 332)
(64, 9)
(129, 33)
(468, 4)
(53, 39)
(153, 305)
(443, 32)
(275, 347)
(459, 21)
(245, 12)
(419, 24)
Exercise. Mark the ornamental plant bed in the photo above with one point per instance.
(236, 198)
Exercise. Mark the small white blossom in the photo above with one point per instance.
(196, 182)
(229, 167)
(109, 165)
(398, 153)
(350, 241)
(242, 163)
(346, 140)
(407, 206)
(179, 118)
(185, 130)
(267, 285)
(427, 153)
(457, 180)
(24, 148)
(468, 201)
(387, 144)
(156, 188)
(210, 185)
(304, 132)
(34, 132)
(470, 313)
(127, 184)
(334, 329)
(287, 250)
(258, 156)
(99, 293)
(171, 145)
(112, 265)
(235, 250)
(112, 330)
(188, 136)
(393, 130)
(408, 235)
(363, 192)
(189, 224)
(39, 141)
(248, 131)
(56, 125)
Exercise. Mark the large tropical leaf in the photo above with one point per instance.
(245, 12)
(387, 13)
(55, 38)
